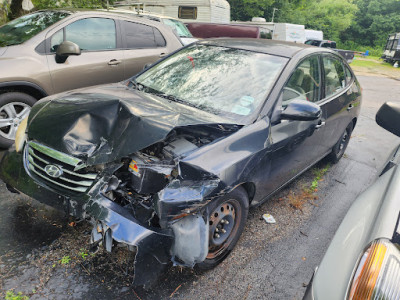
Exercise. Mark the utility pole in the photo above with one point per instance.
(273, 14)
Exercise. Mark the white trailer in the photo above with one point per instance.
(289, 32)
(314, 34)
(210, 11)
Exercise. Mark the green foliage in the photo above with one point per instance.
(83, 254)
(373, 22)
(10, 295)
(351, 45)
(44, 4)
(65, 260)
(332, 17)
(4, 9)
(318, 173)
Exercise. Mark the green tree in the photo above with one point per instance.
(332, 17)
(44, 4)
(373, 22)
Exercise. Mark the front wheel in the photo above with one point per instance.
(227, 217)
(14, 107)
(341, 145)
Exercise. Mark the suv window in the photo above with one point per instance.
(91, 34)
(334, 75)
(304, 83)
(142, 36)
(22, 29)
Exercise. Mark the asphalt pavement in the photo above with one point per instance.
(271, 261)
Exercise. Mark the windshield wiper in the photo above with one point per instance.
(177, 100)
(135, 85)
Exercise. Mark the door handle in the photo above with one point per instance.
(350, 107)
(114, 62)
(163, 54)
(319, 125)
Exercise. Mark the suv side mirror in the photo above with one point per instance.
(301, 110)
(66, 49)
(388, 117)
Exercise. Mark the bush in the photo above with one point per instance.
(4, 9)
(349, 45)
(44, 4)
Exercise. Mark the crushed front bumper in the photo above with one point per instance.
(152, 245)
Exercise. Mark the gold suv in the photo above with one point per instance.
(51, 51)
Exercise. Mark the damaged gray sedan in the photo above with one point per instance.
(169, 162)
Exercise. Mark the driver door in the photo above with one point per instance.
(296, 145)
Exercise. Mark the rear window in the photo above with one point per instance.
(142, 36)
(24, 28)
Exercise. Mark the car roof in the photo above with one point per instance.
(273, 47)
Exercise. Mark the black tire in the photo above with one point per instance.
(20, 102)
(341, 145)
(232, 207)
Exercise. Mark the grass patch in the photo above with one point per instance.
(370, 62)
(10, 295)
(308, 191)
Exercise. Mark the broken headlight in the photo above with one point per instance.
(20, 137)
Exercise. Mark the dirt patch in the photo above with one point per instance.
(374, 67)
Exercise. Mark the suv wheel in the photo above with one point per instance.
(14, 107)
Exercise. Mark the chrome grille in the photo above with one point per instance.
(73, 175)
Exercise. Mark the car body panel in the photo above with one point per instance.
(374, 215)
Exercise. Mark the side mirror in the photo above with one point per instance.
(301, 110)
(146, 66)
(66, 49)
(388, 117)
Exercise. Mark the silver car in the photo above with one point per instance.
(363, 259)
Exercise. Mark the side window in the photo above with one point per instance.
(187, 12)
(349, 76)
(334, 75)
(56, 40)
(304, 83)
(92, 34)
(142, 36)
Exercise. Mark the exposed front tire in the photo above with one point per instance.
(14, 107)
(227, 217)
(341, 145)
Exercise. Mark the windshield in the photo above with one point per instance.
(180, 28)
(223, 81)
(22, 29)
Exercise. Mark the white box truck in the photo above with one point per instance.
(314, 34)
(289, 32)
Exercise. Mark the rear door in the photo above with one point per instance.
(101, 60)
(144, 44)
(339, 97)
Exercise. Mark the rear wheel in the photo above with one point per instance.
(341, 145)
(14, 107)
(227, 218)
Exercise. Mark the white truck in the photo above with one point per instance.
(289, 32)
(314, 34)
(210, 11)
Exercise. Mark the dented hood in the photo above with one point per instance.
(104, 123)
